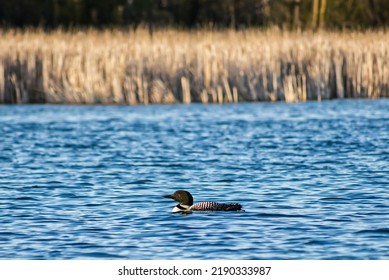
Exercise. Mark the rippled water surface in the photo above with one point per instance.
(80, 182)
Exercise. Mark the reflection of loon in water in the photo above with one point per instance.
(185, 200)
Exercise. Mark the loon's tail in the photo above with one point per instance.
(214, 206)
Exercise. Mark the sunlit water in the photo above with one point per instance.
(85, 182)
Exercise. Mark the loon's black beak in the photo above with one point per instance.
(168, 196)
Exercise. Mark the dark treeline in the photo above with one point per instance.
(304, 14)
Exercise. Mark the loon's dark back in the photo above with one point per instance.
(215, 206)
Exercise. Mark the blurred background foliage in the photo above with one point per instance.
(235, 14)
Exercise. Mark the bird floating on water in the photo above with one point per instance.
(185, 200)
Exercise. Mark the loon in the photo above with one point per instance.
(185, 200)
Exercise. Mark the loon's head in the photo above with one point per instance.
(184, 198)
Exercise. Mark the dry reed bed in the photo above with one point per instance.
(89, 67)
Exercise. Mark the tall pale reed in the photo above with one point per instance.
(120, 67)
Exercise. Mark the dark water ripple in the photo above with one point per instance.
(79, 182)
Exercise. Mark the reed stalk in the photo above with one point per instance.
(127, 67)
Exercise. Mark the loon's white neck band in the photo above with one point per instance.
(180, 208)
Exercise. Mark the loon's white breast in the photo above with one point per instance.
(181, 208)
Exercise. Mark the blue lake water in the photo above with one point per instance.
(85, 182)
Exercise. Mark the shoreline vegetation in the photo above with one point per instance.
(172, 66)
